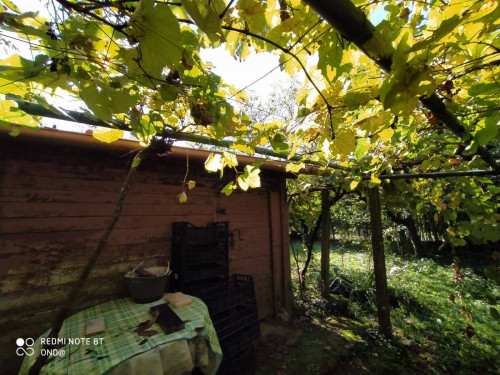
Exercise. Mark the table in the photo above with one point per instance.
(120, 350)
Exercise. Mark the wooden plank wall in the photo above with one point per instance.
(56, 200)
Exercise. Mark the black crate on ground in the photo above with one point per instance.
(239, 341)
(243, 363)
(224, 296)
(234, 320)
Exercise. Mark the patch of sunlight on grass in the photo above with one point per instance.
(349, 335)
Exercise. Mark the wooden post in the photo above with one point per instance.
(325, 242)
(384, 317)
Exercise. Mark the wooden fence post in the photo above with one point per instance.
(384, 317)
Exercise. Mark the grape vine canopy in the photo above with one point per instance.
(417, 92)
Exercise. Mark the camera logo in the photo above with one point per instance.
(20, 351)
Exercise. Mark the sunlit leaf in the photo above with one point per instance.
(158, 32)
(353, 184)
(107, 135)
(11, 114)
(206, 16)
(230, 159)
(214, 162)
(250, 178)
(294, 168)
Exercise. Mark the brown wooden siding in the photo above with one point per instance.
(56, 200)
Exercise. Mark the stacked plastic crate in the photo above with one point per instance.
(200, 268)
(199, 255)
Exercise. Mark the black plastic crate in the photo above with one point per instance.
(207, 258)
(199, 254)
(203, 272)
(220, 297)
(243, 363)
(239, 341)
(188, 234)
(231, 322)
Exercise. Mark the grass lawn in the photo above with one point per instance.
(432, 334)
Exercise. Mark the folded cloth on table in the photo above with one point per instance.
(178, 299)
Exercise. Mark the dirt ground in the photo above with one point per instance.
(302, 348)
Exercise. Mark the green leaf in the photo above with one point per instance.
(228, 189)
(105, 101)
(495, 314)
(11, 114)
(205, 17)
(169, 92)
(253, 13)
(487, 134)
(136, 162)
(330, 55)
(444, 29)
(16, 67)
(278, 143)
(492, 273)
(158, 32)
(484, 89)
(343, 144)
(401, 92)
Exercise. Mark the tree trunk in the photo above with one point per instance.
(414, 237)
(308, 237)
(384, 317)
(325, 242)
(434, 227)
(409, 223)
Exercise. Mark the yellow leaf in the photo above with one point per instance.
(473, 29)
(344, 144)
(353, 185)
(294, 168)
(182, 197)
(250, 178)
(214, 162)
(9, 113)
(243, 148)
(191, 184)
(230, 159)
(107, 135)
(254, 178)
(375, 179)
(272, 13)
(386, 134)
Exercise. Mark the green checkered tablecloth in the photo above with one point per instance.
(119, 342)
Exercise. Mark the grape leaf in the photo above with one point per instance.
(158, 32)
(107, 135)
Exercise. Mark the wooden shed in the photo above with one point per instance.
(57, 193)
